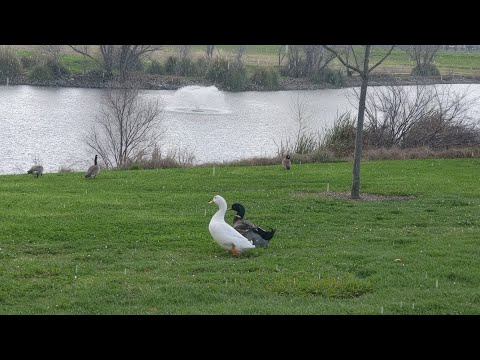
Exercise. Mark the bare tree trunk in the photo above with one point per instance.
(364, 72)
(210, 49)
(355, 194)
(359, 136)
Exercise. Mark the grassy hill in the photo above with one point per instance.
(137, 242)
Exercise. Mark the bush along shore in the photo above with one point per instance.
(172, 82)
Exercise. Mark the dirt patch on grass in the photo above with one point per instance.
(363, 196)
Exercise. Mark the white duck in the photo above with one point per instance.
(224, 234)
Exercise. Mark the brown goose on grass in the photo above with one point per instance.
(286, 162)
(36, 170)
(93, 170)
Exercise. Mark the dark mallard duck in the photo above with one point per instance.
(256, 234)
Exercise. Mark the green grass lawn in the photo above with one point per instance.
(137, 242)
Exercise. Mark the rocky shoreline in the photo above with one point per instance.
(164, 82)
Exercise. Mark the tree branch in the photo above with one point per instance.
(378, 63)
(341, 60)
(84, 53)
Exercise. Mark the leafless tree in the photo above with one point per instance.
(210, 49)
(363, 69)
(347, 59)
(240, 52)
(184, 51)
(296, 61)
(281, 51)
(424, 116)
(448, 124)
(422, 54)
(391, 112)
(121, 57)
(127, 127)
(52, 52)
(316, 58)
(84, 49)
(300, 139)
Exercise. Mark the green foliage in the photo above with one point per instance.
(155, 67)
(266, 77)
(28, 61)
(217, 70)
(425, 70)
(340, 139)
(230, 75)
(9, 64)
(78, 64)
(328, 76)
(58, 70)
(185, 67)
(201, 66)
(171, 65)
(41, 73)
(50, 70)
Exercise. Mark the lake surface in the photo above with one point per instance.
(48, 125)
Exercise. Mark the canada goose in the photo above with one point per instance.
(36, 170)
(93, 170)
(224, 234)
(259, 236)
(286, 162)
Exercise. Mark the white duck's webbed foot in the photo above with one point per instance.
(235, 251)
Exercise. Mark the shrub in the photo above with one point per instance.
(267, 78)
(9, 64)
(171, 65)
(156, 67)
(425, 70)
(57, 69)
(328, 76)
(41, 73)
(341, 138)
(29, 61)
(185, 67)
(436, 132)
(98, 72)
(236, 79)
(201, 66)
(217, 69)
(231, 76)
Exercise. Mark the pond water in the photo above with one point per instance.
(48, 125)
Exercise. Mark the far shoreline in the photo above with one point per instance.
(156, 82)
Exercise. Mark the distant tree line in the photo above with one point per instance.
(227, 70)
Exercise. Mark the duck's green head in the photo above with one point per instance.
(239, 209)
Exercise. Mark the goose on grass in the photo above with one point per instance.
(36, 170)
(93, 170)
(286, 162)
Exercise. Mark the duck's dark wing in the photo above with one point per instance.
(243, 226)
(256, 239)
